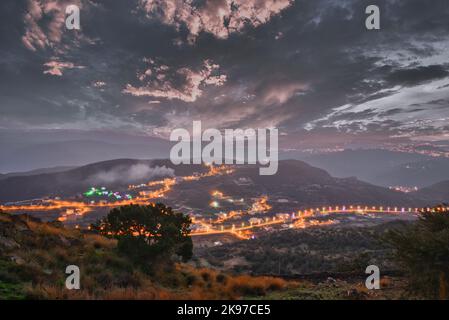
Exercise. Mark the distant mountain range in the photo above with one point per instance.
(420, 173)
(36, 172)
(27, 151)
(296, 181)
(438, 191)
(381, 167)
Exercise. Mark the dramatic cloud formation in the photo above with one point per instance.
(218, 17)
(407, 111)
(160, 81)
(45, 23)
(281, 93)
(311, 68)
(55, 68)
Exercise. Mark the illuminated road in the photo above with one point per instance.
(301, 219)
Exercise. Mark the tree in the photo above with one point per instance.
(148, 234)
(422, 250)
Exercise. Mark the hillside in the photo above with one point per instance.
(34, 255)
(366, 165)
(311, 185)
(297, 182)
(120, 172)
(421, 173)
(438, 191)
(382, 167)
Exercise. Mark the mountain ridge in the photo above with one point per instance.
(295, 179)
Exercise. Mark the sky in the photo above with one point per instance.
(146, 67)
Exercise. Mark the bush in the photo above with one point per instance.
(206, 276)
(191, 279)
(221, 278)
(422, 250)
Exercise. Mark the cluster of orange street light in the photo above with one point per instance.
(80, 208)
(299, 220)
(261, 205)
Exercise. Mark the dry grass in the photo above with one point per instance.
(47, 229)
(99, 241)
(212, 284)
(385, 282)
(205, 286)
(254, 286)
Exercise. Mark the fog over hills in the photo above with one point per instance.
(109, 173)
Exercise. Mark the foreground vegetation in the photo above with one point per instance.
(334, 249)
(141, 252)
(34, 255)
(422, 251)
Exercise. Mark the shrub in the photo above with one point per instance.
(221, 278)
(422, 250)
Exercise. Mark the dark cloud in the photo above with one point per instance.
(293, 67)
(417, 75)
